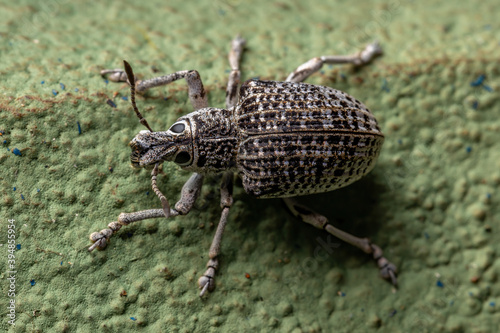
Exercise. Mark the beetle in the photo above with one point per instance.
(284, 139)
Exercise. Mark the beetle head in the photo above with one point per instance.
(175, 144)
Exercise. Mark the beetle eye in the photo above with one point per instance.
(178, 128)
(182, 158)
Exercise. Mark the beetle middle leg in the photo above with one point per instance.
(387, 269)
(234, 77)
(206, 281)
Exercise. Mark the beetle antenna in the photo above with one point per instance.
(164, 202)
(131, 82)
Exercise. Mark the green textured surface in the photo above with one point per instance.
(432, 202)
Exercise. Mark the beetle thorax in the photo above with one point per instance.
(215, 140)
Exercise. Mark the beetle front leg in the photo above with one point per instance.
(196, 91)
(361, 58)
(190, 192)
(387, 269)
(206, 281)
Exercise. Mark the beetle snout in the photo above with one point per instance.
(137, 152)
(149, 148)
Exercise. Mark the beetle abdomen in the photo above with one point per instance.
(298, 139)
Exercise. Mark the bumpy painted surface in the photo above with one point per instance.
(432, 201)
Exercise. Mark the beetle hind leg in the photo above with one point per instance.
(387, 269)
(313, 65)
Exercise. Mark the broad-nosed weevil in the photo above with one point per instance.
(284, 139)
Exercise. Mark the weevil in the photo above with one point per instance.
(283, 139)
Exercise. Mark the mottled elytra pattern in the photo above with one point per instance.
(299, 138)
(286, 139)
(276, 107)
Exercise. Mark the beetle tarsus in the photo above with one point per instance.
(206, 283)
(115, 75)
(101, 238)
(388, 270)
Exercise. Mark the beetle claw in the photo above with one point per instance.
(206, 283)
(388, 270)
(115, 75)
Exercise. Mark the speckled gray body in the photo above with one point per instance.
(283, 138)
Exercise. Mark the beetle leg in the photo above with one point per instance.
(234, 77)
(197, 94)
(360, 58)
(387, 269)
(115, 75)
(206, 281)
(189, 194)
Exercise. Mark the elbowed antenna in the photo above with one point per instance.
(154, 173)
(131, 81)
